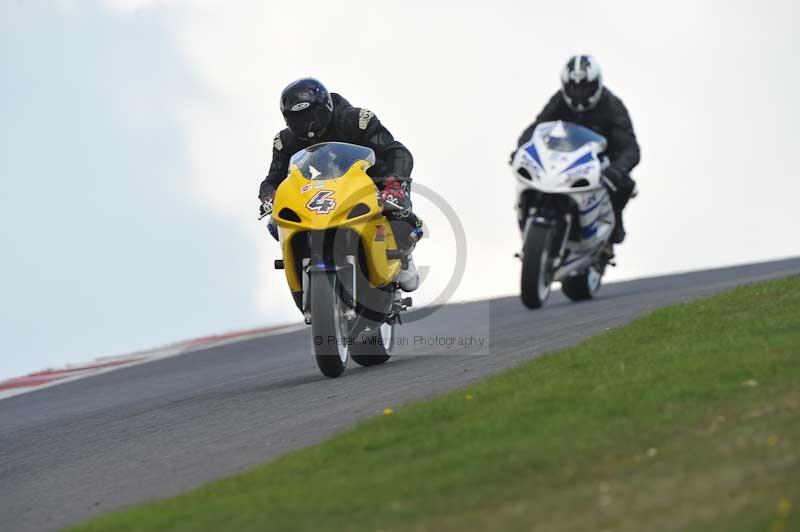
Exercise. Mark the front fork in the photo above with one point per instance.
(324, 259)
(561, 224)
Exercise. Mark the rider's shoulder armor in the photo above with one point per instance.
(352, 123)
(286, 143)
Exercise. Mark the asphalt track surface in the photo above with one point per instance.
(113, 440)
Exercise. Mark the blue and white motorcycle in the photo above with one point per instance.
(564, 212)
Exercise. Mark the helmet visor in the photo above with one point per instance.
(308, 123)
(581, 93)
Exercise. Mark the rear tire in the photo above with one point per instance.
(583, 286)
(328, 325)
(374, 347)
(536, 274)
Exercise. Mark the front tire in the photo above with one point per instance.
(536, 272)
(583, 286)
(374, 347)
(328, 325)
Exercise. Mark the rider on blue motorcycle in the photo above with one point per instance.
(584, 100)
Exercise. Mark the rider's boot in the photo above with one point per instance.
(618, 234)
(408, 278)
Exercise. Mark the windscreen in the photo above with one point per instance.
(330, 160)
(568, 137)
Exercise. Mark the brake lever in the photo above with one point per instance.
(395, 206)
(609, 184)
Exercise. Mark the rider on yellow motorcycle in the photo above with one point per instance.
(313, 115)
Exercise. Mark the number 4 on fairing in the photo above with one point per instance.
(322, 202)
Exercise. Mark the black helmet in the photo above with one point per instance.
(307, 108)
(581, 82)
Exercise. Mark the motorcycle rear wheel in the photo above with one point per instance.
(536, 274)
(583, 286)
(374, 347)
(328, 325)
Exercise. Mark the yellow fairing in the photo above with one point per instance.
(337, 196)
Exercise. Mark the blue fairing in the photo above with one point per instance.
(587, 158)
(534, 154)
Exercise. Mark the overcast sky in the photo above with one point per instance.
(135, 134)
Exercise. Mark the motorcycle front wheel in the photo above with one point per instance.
(329, 325)
(536, 272)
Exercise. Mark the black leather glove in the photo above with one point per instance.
(621, 180)
(265, 208)
(614, 175)
(266, 191)
(266, 195)
(394, 195)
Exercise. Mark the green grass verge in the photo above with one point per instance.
(686, 419)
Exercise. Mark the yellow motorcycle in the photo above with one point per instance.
(340, 255)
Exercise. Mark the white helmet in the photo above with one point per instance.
(581, 82)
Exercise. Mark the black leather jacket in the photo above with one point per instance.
(609, 118)
(349, 124)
